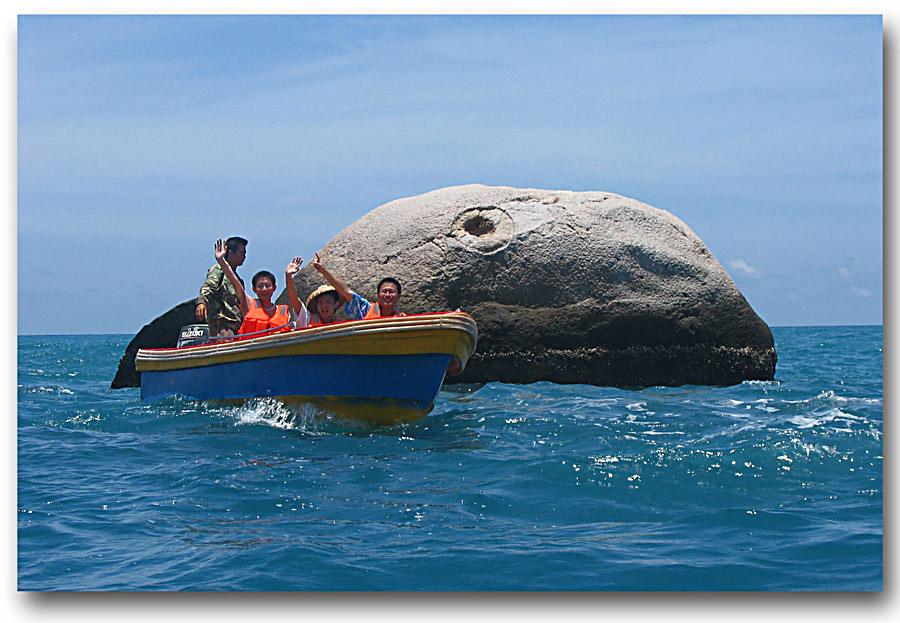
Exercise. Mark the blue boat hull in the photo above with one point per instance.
(407, 380)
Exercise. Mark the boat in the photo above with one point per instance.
(381, 371)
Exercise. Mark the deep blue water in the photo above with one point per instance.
(760, 486)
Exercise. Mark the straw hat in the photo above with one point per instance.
(320, 290)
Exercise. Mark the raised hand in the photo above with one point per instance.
(220, 250)
(318, 265)
(294, 266)
(343, 289)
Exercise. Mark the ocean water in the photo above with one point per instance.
(763, 486)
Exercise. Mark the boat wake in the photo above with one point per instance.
(301, 416)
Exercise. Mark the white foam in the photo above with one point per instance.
(47, 390)
(272, 412)
(825, 417)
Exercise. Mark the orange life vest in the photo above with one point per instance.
(258, 320)
(314, 321)
(375, 312)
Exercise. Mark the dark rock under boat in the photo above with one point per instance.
(161, 333)
(569, 287)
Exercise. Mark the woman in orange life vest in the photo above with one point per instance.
(358, 308)
(322, 303)
(261, 314)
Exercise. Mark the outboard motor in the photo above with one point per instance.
(193, 334)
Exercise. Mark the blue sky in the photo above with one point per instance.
(141, 139)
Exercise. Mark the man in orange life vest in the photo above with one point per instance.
(358, 308)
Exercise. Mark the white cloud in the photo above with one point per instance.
(843, 272)
(861, 292)
(745, 268)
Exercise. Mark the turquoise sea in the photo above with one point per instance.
(763, 486)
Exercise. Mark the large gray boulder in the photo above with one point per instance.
(569, 287)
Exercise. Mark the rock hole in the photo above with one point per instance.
(479, 226)
(485, 229)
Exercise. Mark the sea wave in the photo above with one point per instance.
(757, 486)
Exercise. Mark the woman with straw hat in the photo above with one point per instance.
(358, 308)
(322, 304)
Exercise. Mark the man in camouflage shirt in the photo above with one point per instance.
(218, 303)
